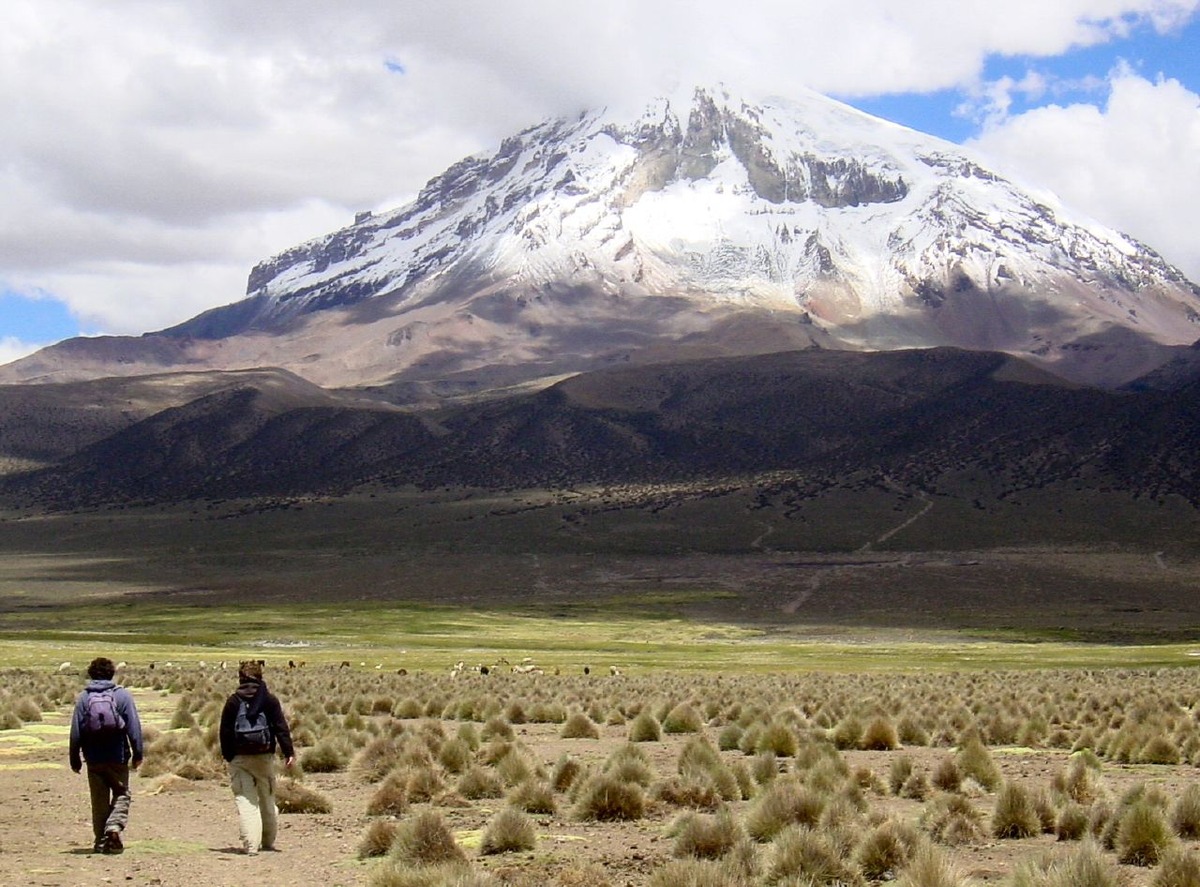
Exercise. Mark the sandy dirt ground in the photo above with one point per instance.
(184, 834)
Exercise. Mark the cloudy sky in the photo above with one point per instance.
(152, 152)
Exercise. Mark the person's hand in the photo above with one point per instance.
(78, 769)
(135, 763)
(287, 762)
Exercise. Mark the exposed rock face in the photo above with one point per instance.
(599, 239)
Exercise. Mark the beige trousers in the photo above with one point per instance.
(253, 781)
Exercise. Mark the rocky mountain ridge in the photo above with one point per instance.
(709, 224)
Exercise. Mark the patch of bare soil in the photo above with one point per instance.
(185, 833)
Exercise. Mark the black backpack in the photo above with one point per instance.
(100, 714)
(251, 737)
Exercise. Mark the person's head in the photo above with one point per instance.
(250, 670)
(101, 669)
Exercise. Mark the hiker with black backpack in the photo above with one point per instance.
(252, 724)
(106, 731)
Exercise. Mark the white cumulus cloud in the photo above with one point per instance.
(1130, 162)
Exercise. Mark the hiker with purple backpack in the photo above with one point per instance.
(106, 731)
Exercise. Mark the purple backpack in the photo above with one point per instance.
(100, 715)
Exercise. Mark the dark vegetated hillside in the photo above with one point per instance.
(936, 420)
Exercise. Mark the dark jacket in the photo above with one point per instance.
(116, 748)
(260, 699)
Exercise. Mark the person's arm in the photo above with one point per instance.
(133, 727)
(225, 733)
(74, 750)
(282, 732)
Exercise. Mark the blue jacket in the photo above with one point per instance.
(118, 748)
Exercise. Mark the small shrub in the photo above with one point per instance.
(292, 797)
(497, 728)
(1143, 834)
(645, 728)
(698, 873)
(952, 820)
(683, 718)
(1072, 822)
(778, 739)
(898, 772)
(479, 782)
(946, 776)
(509, 830)
(327, 756)
(974, 760)
(605, 798)
(424, 839)
(454, 755)
(390, 799)
(706, 836)
(565, 773)
(1015, 815)
(880, 735)
(809, 856)
(1180, 867)
(377, 839)
(1185, 815)
(579, 726)
(533, 796)
(375, 760)
(886, 849)
(786, 802)
(686, 791)
(729, 737)
(929, 867)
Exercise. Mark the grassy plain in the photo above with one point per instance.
(688, 578)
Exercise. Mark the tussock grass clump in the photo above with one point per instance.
(952, 820)
(479, 782)
(533, 796)
(455, 755)
(899, 770)
(628, 763)
(579, 726)
(1072, 822)
(946, 776)
(391, 798)
(764, 768)
(605, 798)
(699, 873)
(886, 849)
(27, 710)
(565, 772)
(786, 802)
(686, 791)
(1143, 835)
(508, 831)
(1080, 781)
(974, 760)
(683, 718)
(729, 737)
(377, 839)
(645, 728)
(9, 719)
(425, 840)
(375, 760)
(1180, 867)
(292, 797)
(803, 855)
(1083, 867)
(408, 709)
(423, 784)
(929, 867)
(1185, 815)
(880, 735)
(911, 731)
(497, 727)
(705, 836)
(1015, 815)
(329, 755)
(778, 739)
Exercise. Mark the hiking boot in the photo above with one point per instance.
(99, 845)
(112, 843)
